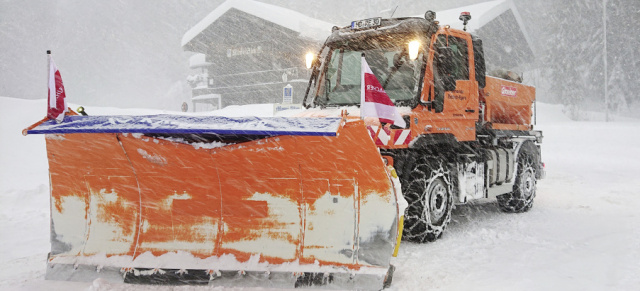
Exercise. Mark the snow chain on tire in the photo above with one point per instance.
(429, 191)
(524, 189)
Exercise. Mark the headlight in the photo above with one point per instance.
(309, 58)
(414, 48)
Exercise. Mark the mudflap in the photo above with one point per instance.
(290, 211)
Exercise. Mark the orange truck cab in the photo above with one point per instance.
(468, 135)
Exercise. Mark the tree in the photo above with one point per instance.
(572, 54)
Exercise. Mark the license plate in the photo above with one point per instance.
(366, 23)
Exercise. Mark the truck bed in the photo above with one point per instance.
(507, 104)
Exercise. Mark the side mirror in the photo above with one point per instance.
(478, 54)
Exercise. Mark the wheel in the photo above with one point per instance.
(524, 189)
(428, 190)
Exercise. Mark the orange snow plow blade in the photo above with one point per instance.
(278, 211)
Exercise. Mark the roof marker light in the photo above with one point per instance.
(465, 17)
(430, 15)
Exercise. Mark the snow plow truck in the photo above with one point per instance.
(313, 201)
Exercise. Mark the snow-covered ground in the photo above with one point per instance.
(582, 233)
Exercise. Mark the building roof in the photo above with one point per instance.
(296, 21)
(506, 41)
(481, 14)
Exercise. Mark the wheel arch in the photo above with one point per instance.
(529, 147)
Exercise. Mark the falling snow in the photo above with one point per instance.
(125, 58)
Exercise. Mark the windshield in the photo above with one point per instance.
(389, 61)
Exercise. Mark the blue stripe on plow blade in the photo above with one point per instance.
(180, 124)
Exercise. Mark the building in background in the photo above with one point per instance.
(251, 52)
(507, 45)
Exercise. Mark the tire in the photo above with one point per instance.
(428, 191)
(524, 189)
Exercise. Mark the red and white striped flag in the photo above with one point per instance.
(374, 101)
(57, 103)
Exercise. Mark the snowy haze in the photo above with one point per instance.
(581, 234)
(128, 54)
(124, 53)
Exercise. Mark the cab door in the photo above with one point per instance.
(455, 90)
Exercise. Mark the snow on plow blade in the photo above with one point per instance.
(294, 202)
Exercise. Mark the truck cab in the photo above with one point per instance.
(468, 136)
(434, 74)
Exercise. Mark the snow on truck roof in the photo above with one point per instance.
(296, 21)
